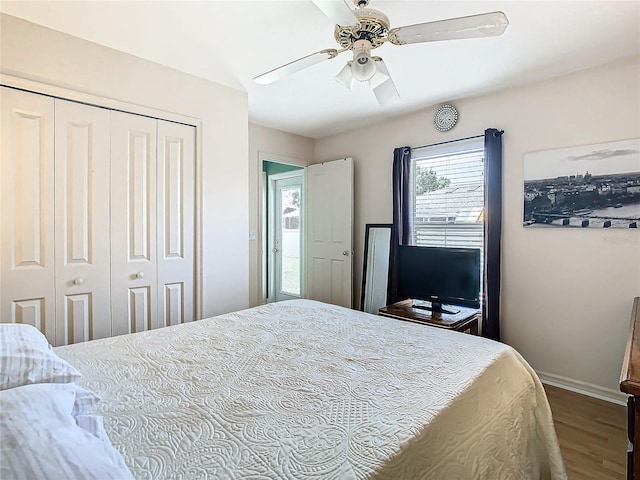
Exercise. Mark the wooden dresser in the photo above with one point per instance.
(630, 384)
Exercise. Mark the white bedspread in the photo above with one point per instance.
(303, 390)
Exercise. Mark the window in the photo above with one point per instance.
(448, 194)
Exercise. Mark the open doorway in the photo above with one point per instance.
(283, 263)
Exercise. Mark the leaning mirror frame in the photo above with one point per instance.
(375, 267)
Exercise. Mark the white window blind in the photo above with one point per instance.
(448, 194)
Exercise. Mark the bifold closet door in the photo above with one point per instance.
(134, 271)
(97, 219)
(27, 287)
(82, 244)
(176, 199)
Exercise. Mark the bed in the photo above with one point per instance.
(305, 390)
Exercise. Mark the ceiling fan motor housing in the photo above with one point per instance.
(373, 25)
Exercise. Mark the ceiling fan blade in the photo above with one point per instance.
(295, 66)
(386, 92)
(337, 11)
(483, 25)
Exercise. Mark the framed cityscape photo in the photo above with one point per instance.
(592, 186)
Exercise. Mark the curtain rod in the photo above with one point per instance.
(449, 141)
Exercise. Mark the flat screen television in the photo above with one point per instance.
(442, 276)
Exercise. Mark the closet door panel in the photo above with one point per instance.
(176, 170)
(133, 232)
(27, 288)
(82, 222)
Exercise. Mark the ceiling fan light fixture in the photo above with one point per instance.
(379, 77)
(345, 77)
(363, 67)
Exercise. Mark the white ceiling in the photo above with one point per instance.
(230, 42)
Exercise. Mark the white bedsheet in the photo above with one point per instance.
(303, 390)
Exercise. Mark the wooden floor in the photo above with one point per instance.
(592, 435)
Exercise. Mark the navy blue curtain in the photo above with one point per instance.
(492, 232)
(402, 216)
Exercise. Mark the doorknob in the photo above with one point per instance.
(140, 275)
(78, 281)
(345, 253)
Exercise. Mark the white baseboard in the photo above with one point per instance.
(584, 388)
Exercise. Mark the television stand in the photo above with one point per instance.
(434, 307)
(466, 320)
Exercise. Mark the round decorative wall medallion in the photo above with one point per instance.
(445, 118)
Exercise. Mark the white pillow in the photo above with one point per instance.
(40, 438)
(27, 358)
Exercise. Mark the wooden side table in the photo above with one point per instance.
(465, 320)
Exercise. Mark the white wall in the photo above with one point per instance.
(37, 53)
(567, 294)
(278, 146)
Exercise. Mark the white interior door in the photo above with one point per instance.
(286, 236)
(27, 287)
(134, 271)
(176, 199)
(82, 246)
(330, 232)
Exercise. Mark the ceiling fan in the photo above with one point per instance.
(365, 29)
